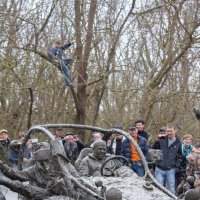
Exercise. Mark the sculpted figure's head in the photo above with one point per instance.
(42, 153)
(192, 194)
(99, 149)
(114, 194)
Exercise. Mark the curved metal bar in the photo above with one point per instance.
(32, 130)
(27, 137)
(93, 128)
(40, 128)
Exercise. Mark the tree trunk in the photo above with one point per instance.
(82, 56)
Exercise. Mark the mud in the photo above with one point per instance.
(131, 188)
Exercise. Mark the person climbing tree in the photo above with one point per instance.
(56, 53)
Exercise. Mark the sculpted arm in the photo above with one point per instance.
(13, 174)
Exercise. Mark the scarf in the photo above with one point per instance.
(186, 151)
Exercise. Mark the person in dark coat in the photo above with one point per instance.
(128, 151)
(171, 149)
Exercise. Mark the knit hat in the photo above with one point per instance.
(132, 127)
(3, 131)
(163, 128)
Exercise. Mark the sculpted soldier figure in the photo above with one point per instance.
(91, 164)
(193, 167)
(51, 175)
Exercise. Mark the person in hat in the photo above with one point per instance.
(161, 135)
(162, 132)
(4, 145)
(128, 151)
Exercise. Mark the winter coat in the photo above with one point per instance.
(56, 53)
(126, 150)
(115, 147)
(171, 155)
(4, 150)
(143, 134)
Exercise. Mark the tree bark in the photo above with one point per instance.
(82, 55)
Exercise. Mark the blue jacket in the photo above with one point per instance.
(126, 150)
(171, 155)
(56, 53)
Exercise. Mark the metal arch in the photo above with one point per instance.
(27, 137)
(40, 128)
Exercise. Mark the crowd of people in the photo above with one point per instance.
(178, 171)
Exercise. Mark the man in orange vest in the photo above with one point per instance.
(128, 151)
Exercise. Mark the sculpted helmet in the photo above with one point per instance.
(98, 143)
(113, 194)
(45, 151)
(192, 194)
(42, 152)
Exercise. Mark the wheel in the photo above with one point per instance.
(113, 163)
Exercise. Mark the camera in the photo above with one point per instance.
(35, 140)
(162, 137)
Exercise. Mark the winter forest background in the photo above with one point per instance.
(132, 60)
